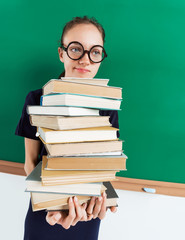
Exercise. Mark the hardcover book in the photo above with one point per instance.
(79, 100)
(59, 86)
(65, 123)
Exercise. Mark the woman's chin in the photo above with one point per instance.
(83, 75)
(77, 74)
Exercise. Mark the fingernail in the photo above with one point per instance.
(70, 199)
(100, 198)
(57, 216)
(76, 199)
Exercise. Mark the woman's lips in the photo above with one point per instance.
(82, 70)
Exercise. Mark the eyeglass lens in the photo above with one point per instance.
(75, 51)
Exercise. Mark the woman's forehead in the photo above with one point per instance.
(87, 34)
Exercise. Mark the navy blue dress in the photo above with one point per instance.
(36, 227)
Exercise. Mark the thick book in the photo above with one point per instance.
(79, 148)
(77, 135)
(87, 163)
(94, 81)
(112, 198)
(65, 123)
(42, 201)
(61, 111)
(49, 200)
(60, 177)
(59, 86)
(34, 184)
(79, 100)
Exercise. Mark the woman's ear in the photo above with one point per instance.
(60, 53)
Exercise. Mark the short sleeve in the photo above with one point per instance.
(113, 118)
(24, 128)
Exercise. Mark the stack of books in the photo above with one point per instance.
(84, 152)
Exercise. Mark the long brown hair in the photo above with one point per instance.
(81, 20)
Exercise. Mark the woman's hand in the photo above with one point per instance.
(97, 207)
(113, 209)
(76, 213)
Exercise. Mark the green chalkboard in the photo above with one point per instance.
(145, 42)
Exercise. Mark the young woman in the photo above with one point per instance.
(82, 52)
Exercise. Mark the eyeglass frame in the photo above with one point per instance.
(84, 51)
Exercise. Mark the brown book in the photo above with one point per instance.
(59, 177)
(65, 123)
(77, 135)
(87, 163)
(59, 86)
(71, 149)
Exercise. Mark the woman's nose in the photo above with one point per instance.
(85, 59)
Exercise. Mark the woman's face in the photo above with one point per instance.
(88, 35)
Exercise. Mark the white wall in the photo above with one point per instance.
(140, 215)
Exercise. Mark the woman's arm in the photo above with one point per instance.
(32, 148)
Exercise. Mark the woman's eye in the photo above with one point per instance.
(75, 50)
(96, 52)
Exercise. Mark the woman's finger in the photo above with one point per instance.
(84, 214)
(113, 209)
(67, 221)
(53, 217)
(97, 207)
(102, 212)
(78, 210)
(90, 207)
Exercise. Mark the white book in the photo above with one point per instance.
(61, 111)
(77, 100)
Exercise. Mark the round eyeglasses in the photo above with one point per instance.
(76, 51)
